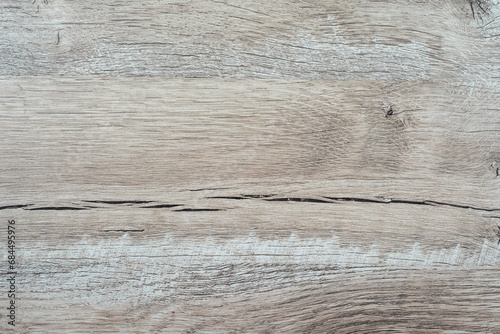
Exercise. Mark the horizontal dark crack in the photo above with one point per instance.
(356, 199)
(259, 196)
(125, 230)
(425, 202)
(332, 200)
(119, 202)
(56, 208)
(195, 210)
(296, 199)
(158, 206)
(14, 206)
(243, 196)
(434, 203)
(264, 197)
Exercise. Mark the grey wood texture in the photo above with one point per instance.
(251, 166)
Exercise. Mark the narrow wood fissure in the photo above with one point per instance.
(263, 197)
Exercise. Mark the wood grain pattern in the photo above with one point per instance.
(360, 40)
(250, 166)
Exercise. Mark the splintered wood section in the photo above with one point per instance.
(251, 166)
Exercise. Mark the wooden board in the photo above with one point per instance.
(250, 166)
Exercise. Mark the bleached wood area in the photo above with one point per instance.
(251, 166)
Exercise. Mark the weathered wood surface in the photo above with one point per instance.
(366, 40)
(246, 166)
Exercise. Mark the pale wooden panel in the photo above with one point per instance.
(145, 139)
(389, 40)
